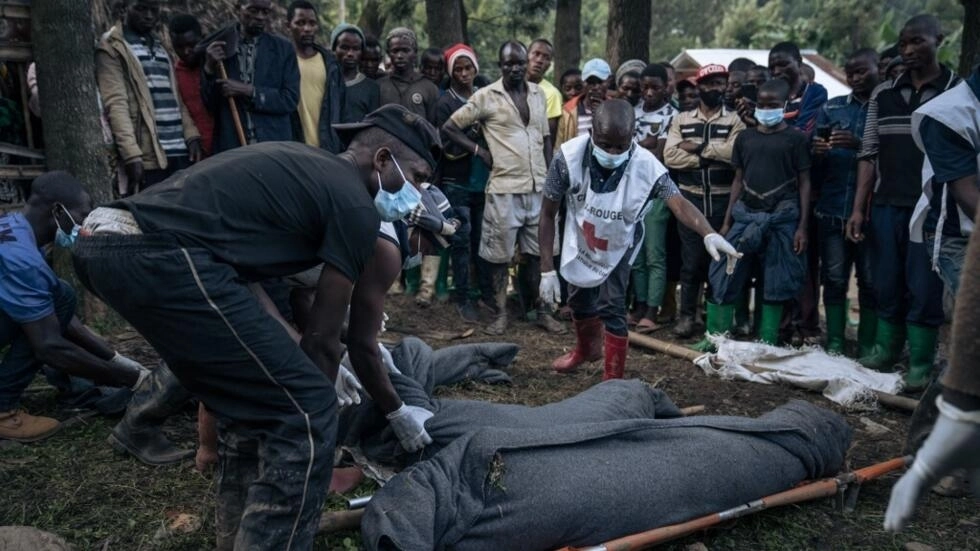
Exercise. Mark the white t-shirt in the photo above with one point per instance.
(653, 123)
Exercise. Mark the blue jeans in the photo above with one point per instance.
(468, 207)
(906, 288)
(952, 255)
(837, 255)
(19, 365)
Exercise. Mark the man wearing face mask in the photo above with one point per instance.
(37, 310)
(607, 183)
(192, 251)
(699, 154)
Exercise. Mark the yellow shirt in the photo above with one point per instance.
(552, 98)
(312, 87)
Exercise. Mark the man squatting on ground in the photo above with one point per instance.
(607, 182)
(37, 310)
(190, 273)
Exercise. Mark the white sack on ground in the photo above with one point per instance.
(841, 380)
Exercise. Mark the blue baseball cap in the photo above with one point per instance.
(596, 68)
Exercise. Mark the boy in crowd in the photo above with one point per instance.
(840, 124)
(405, 85)
(757, 76)
(768, 215)
(576, 117)
(737, 73)
(371, 58)
(363, 95)
(185, 34)
(433, 67)
(653, 117)
(571, 84)
(687, 95)
(539, 56)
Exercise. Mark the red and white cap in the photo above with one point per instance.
(710, 71)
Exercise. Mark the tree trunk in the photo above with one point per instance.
(444, 22)
(65, 56)
(568, 37)
(970, 48)
(372, 20)
(628, 31)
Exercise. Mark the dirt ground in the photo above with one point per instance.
(73, 485)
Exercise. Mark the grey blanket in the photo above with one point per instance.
(422, 369)
(542, 488)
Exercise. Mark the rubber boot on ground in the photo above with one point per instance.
(769, 327)
(20, 426)
(922, 356)
(836, 325)
(140, 432)
(427, 281)
(719, 322)
(499, 277)
(686, 326)
(588, 345)
(442, 279)
(867, 326)
(743, 317)
(889, 339)
(615, 355)
(412, 279)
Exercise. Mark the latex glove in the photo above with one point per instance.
(549, 289)
(387, 360)
(347, 386)
(716, 244)
(126, 363)
(953, 444)
(408, 422)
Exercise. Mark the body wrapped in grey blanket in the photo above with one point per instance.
(422, 369)
(543, 487)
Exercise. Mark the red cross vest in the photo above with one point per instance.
(601, 227)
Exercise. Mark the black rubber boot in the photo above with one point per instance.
(140, 432)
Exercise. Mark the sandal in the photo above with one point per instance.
(647, 325)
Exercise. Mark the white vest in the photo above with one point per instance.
(600, 227)
(959, 110)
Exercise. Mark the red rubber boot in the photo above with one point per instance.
(615, 356)
(588, 346)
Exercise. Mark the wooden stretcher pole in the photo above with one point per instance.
(815, 490)
(679, 351)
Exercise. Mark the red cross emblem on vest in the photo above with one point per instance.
(591, 240)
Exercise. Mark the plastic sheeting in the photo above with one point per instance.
(840, 379)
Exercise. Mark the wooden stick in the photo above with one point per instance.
(235, 117)
(692, 410)
(678, 351)
(337, 521)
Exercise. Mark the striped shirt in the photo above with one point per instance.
(887, 139)
(166, 110)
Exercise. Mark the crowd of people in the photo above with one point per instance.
(254, 172)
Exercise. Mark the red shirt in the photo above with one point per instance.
(189, 83)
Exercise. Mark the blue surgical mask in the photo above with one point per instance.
(769, 117)
(61, 237)
(607, 160)
(395, 206)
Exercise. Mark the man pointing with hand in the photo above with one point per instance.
(607, 183)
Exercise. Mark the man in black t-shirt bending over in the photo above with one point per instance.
(179, 261)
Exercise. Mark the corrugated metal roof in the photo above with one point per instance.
(831, 77)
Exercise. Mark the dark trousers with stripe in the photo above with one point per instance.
(276, 410)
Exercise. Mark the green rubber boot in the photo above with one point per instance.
(413, 279)
(867, 326)
(889, 339)
(836, 324)
(720, 319)
(769, 328)
(922, 356)
(442, 280)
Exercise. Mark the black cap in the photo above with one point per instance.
(413, 130)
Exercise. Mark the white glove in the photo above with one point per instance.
(130, 364)
(387, 360)
(347, 386)
(408, 422)
(715, 245)
(448, 229)
(953, 444)
(549, 289)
